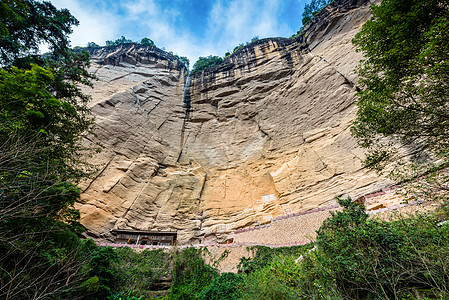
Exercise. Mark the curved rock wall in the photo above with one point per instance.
(267, 133)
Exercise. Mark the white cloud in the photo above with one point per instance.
(139, 7)
(234, 22)
(96, 25)
(229, 23)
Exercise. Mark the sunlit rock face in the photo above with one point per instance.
(267, 133)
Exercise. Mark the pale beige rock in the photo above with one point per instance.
(375, 206)
(267, 135)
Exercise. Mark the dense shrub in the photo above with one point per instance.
(121, 40)
(92, 44)
(373, 258)
(147, 42)
(311, 9)
(224, 287)
(263, 256)
(269, 282)
(139, 271)
(357, 258)
(204, 63)
(190, 274)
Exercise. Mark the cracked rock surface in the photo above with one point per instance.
(267, 133)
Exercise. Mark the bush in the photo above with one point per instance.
(92, 44)
(140, 271)
(269, 283)
(204, 63)
(372, 258)
(125, 296)
(190, 274)
(147, 42)
(357, 258)
(311, 9)
(224, 287)
(121, 40)
(263, 256)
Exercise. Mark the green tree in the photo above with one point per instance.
(190, 274)
(224, 287)
(311, 9)
(373, 259)
(147, 42)
(404, 79)
(24, 24)
(92, 44)
(121, 40)
(183, 59)
(140, 270)
(43, 117)
(238, 47)
(204, 63)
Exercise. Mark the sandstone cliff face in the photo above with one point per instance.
(266, 134)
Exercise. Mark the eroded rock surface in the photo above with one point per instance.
(267, 133)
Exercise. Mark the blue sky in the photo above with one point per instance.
(188, 28)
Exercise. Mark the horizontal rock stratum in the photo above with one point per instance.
(266, 133)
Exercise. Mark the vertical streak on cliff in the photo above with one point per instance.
(186, 105)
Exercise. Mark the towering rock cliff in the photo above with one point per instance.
(264, 134)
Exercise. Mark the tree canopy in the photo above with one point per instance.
(43, 118)
(24, 24)
(404, 79)
(147, 42)
(204, 63)
(121, 40)
(311, 9)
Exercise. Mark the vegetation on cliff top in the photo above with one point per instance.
(210, 61)
(204, 63)
(145, 41)
(312, 8)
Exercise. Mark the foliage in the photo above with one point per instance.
(224, 287)
(358, 258)
(183, 59)
(311, 9)
(101, 267)
(277, 280)
(24, 24)
(121, 40)
(190, 274)
(239, 46)
(40, 144)
(140, 271)
(125, 296)
(204, 63)
(92, 44)
(43, 117)
(263, 256)
(404, 79)
(147, 42)
(372, 258)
